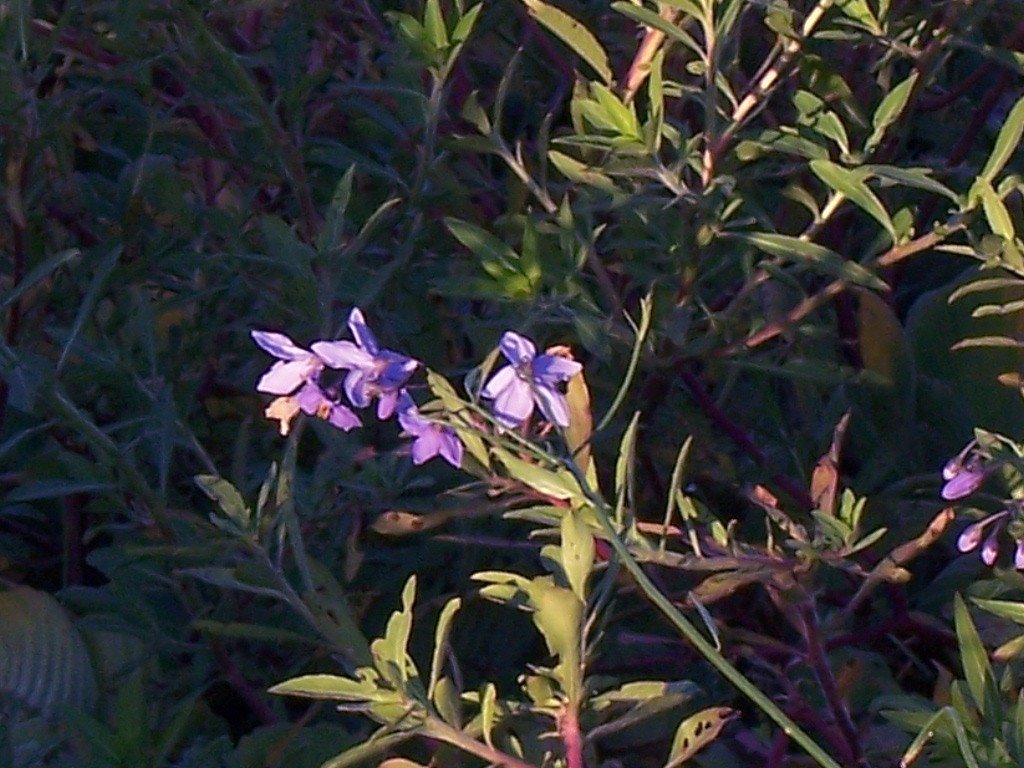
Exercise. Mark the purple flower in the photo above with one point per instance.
(964, 473)
(973, 533)
(294, 367)
(530, 379)
(295, 376)
(372, 372)
(430, 439)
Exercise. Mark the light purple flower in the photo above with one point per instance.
(312, 400)
(372, 372)
(295, 377)
(294, 367)
(430, 439)
(530, 379)
(972, 535)
(964, 473)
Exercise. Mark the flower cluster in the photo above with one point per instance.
(963, 475)
(371, 373)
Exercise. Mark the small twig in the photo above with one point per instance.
(640, 66)
(826, 679)
(572, 739)
(739, 436)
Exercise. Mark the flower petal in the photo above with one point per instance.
(499, 382)
(451, 448)
(990, 549)
(552, 404)
(364, 336)
(283, 378)
(514, 403)
(426, 446)
(356, 388)
(279, 345)
(969, 540)
(343, 418)
(386, 404)
(283, 409)
(311, 399)
(518, 349)
(964, 483)
(342, 354)
(551, 369)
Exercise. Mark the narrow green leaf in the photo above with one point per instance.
(850, 182)
(96, 287)
(433, 25)
(557, 485)
(1006, 142)
(330, 687)
(996, 212)
(577, 552)
(977, 669)
(889, 110)
(911, 177)
(574, 34)
(227, 498)
(823, 259)
(441, 632)
(651, 19)
(36, 275)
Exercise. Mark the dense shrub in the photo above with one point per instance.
(769, 255)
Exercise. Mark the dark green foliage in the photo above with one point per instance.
(784, 238)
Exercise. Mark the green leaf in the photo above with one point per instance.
(330, 687)
(44, 663)
(433, 25)
(226, 497)
(1006, 142)
(488, 712)
(556, 484)
(464, 26)
(627, 451)
(995, 210)
(889, 111)
(850, 182)
(331, 236)
(696, 732)
(36, 275)
(651, 19)
(816, 114)
(977, 669)
(823, 259)
(911, 177)
(441, 632)
(1007, 609)
(574, 34)
(580, 173)
(577, 552)
(456, 406)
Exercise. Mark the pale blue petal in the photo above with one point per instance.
(356, 389)
(451, 448)
(343, 354)
(518, 349)
(552, 404)
(364, 336)
(551, 369)
(499, 382)
(279, 345)
(283, 378)
(514, 403)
